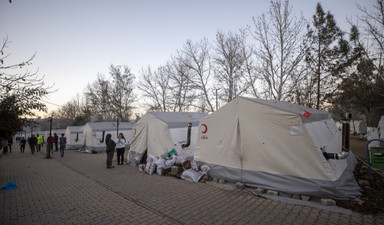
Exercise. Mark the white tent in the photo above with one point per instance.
(45, 133)
(94, 134)
(74, 135)
(159, 132)
(278, 146)
(381, 127)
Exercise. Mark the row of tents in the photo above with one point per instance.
(269, 144)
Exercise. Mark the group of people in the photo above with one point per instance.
(36, 142)
(7, 145)
(119, 144)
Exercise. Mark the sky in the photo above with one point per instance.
(74, 40)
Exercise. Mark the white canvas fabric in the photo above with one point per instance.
(94, 134)
(275, 145)
(381, 127)
(159, 132)
(74, 135)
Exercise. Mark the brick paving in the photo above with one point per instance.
(78, 189)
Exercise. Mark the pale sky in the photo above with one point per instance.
(74, 40)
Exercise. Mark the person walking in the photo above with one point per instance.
(39, 142)
(33, 143)
(10, 142)
(4, 144)
(22, 144)
(120, 148)
(63, 142)
(50, 141)
(56, 142)
(110, 150)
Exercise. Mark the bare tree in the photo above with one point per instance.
(155, 86)
(229, 62)
(196, 57)
(99, 99)
(279, 35)
(122, 96)
(373, 27)
(249, 72)
(21, 93)
(28, 87)
(181, 87)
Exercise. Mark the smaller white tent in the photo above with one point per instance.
(45, 133)
(381, 127)
(74, 135)
(160, 132)
(94, 134)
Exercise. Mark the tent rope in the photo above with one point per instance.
(363, 161)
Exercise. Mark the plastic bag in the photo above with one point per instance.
(160, 163)
(195, 166)
(170, 162)
(192, 176)
(180, 159)
(141, 167)
(150, 167)
(205, 168)
(171, 153)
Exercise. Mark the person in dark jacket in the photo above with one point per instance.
(110, 150)
(22, 144)
(56, 142)
(33, 143)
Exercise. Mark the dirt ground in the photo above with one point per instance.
(372, 199)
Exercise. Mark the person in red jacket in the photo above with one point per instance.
(50, 141)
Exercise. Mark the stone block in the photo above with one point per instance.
(327, 202)
(296, 197)
(259, 191)
(305, 197)
(240, 185)
(221, 181)
(275, 193)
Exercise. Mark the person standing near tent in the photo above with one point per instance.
(56, 141)
(39, 142)
(33, 144)
(63, 142)
(120, 148)
(110, 150)
(22, 144)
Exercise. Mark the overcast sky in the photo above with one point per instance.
(74, 40)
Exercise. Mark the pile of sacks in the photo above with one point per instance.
(177, 166)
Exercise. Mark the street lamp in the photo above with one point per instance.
(117, 128)
(217, 103)
(49, 139)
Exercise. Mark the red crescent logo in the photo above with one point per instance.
(205, 128)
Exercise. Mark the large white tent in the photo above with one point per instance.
(94, 134)
(278, 146)
(74, 135)
(160, 132)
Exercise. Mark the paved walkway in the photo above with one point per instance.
(78, 189)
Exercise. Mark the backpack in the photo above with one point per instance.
(63, 140)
